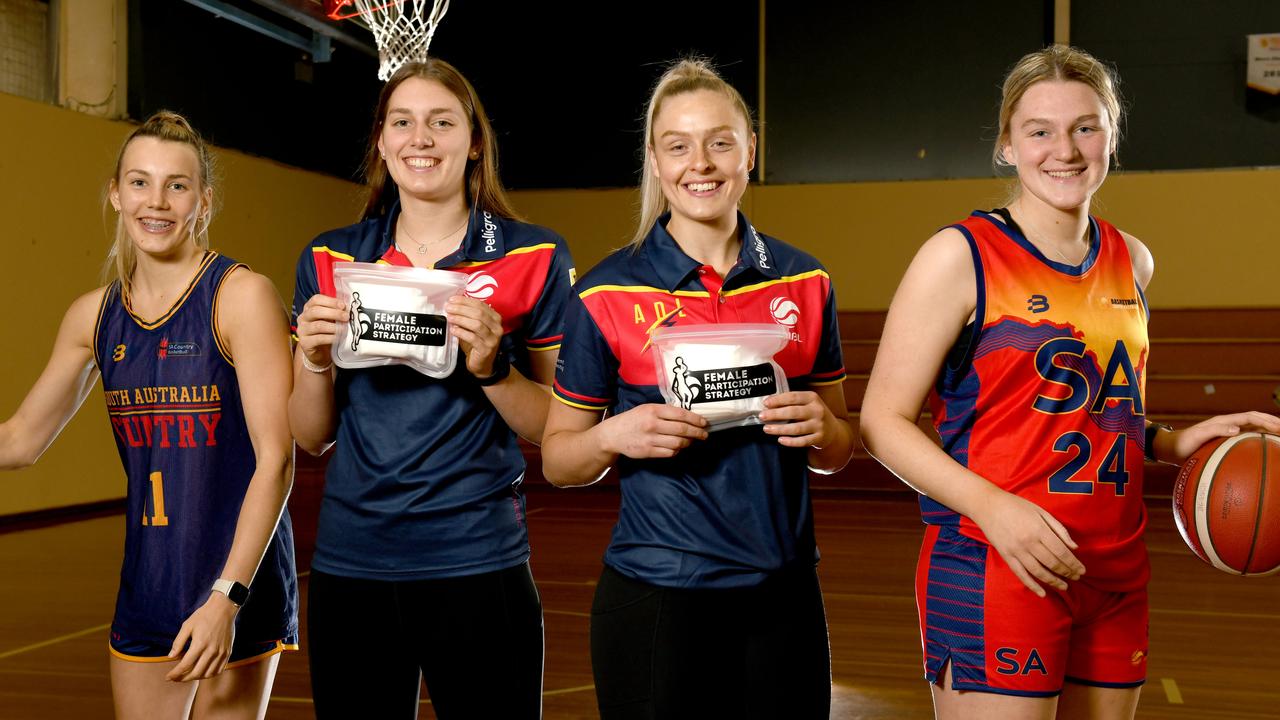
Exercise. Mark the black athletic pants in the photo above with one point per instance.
(757, 652)
(476, 640)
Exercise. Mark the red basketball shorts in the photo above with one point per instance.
(1000, 638)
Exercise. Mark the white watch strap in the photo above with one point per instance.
(238, 594)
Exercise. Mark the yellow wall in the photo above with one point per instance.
(53, 167)
(1213, 233)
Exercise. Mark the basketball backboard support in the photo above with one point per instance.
(309, 14)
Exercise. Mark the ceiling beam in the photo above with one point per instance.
(310, 14)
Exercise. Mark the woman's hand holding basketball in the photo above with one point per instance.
(1036, 547)
(211, 630)
(317, 324)
(652, 430)
(1186, 441)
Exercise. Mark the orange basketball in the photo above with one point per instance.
(1226, 502)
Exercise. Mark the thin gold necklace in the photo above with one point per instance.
(422, 246)
(1044, 241)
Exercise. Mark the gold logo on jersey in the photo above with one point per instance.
(666, 319)
(659, 310)
(118, 354)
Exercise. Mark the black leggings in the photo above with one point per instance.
(476, 640)
(757, 652)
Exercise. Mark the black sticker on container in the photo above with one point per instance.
(405, 328)
(708, 386)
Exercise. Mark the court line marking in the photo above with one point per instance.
(566, 691)
(1218, 613)
(53, 641)
(1171, 691)
(50, 673)
(566, 612)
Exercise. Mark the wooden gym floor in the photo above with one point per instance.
(1215, 639)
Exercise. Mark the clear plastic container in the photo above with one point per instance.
(395, 315)
(721, 372)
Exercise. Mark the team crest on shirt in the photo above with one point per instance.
(667, 318)
(481, 285)
(786, 313)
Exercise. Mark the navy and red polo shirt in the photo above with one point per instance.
(424, 479)
(727, 511)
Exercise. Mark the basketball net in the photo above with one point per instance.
(402, 29)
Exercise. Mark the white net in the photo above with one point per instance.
(402, 29)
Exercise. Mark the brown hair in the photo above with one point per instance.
(1059, 62)
(483, 186)
(684, 76)
(171, 127)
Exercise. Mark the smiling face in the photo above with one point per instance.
(426, 140)
(1060, 137)
(159, 195)
(702, 152)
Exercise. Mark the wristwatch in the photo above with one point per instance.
(234, 591)
(501, 369)
(1149, 447)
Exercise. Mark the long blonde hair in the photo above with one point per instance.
(171, 127)
(684, 76)
(1059, 62)
(483, 186)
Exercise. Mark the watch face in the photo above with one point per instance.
(238, 593)
(234, 591)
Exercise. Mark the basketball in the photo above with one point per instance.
(1226, 502)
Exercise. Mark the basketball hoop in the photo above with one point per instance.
(402, 28)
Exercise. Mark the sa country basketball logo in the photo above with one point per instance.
(481, 286)
(118, 354)
(175, 348)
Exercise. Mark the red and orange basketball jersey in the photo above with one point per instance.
(1044, 393)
